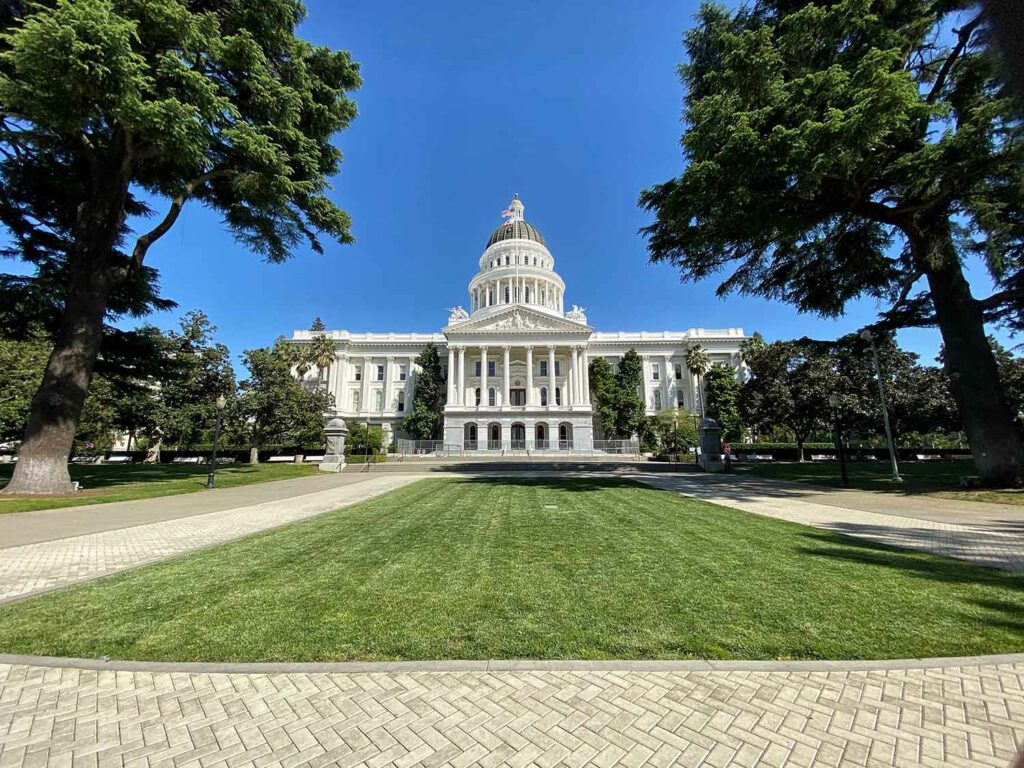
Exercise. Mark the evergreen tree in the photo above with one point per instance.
(426, 421)
(721, 390)
(273, 409)
(111, 109)
(631, 411)
(203, 371)
(603, 396)
(857, 148)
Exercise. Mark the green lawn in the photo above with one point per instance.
(940, 478)
(556, 568)
(112, 482)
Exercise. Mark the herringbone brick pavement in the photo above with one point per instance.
(948, 716)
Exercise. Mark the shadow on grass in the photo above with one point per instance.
(557, 483)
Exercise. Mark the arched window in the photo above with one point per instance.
(478, 395)
(657, 399)
(535, 261)
(490, 397)
(558, 395)
(506, 261)
(543, 395)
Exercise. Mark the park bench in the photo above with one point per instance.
(225, 459)
(281, 460)
(83, 459)
(186, 460)
(119, 460)
(926, 457)
(822, 457)
(868, 457)
(759, 457)
(314, 459)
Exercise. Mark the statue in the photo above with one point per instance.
(457, 315)
(577, 313)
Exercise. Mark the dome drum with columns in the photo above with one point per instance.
(516, 360)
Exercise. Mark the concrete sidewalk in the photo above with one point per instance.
(987, 534)
(46, 565)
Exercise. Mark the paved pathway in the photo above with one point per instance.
(65, 712)
(967, 714)
(995, 538)
(45, 565)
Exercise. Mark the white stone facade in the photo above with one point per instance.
(516, 362)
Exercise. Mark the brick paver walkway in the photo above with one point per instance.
(46, 565)
(984, 543)
(947, 716)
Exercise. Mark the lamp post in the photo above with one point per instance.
(221, 402)
(837, 433)
(870, 339)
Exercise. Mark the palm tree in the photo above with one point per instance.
(698, 363)
(321, 352)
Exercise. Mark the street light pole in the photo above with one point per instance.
(221, 402)
(869, 337)
(837, 432)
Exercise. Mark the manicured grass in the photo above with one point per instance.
(940, 478)
(112, 482)
(556, 568)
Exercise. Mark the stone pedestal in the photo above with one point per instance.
(710, 446)
(334, 457)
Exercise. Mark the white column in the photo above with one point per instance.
(551, 376)
(586, 377)
(529, 375)
(364, 397)
(451, 375)
(341, 386)
(461, 395)
(574, 374)
(483, 376)
(389, 364)
(666, 364)
(410, 390)
(505, 398)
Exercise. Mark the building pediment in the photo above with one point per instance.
(517, 318)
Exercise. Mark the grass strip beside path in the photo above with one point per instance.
(491, 567)
(112, 482)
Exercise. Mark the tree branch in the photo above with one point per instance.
(963, 36)
(993, 301)
(177, 203)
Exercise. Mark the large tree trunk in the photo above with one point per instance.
(94, 268)
(971, 366)
(42, 466)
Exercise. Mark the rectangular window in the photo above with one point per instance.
(355, 401)
(558, 367)
(543, 367)
(400, 403)
(490, 368)
(380, 373)
(358, 371)
(401, 373)
(679, 371)
(378, 400)
(490, 397)
(655, 373)
(477, 369)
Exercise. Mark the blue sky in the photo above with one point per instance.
(574, 105)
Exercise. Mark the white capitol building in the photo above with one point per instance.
(517, 362)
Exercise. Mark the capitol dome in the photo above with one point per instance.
(516, 230)
(516, 227)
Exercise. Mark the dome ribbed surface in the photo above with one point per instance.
(516, 230)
